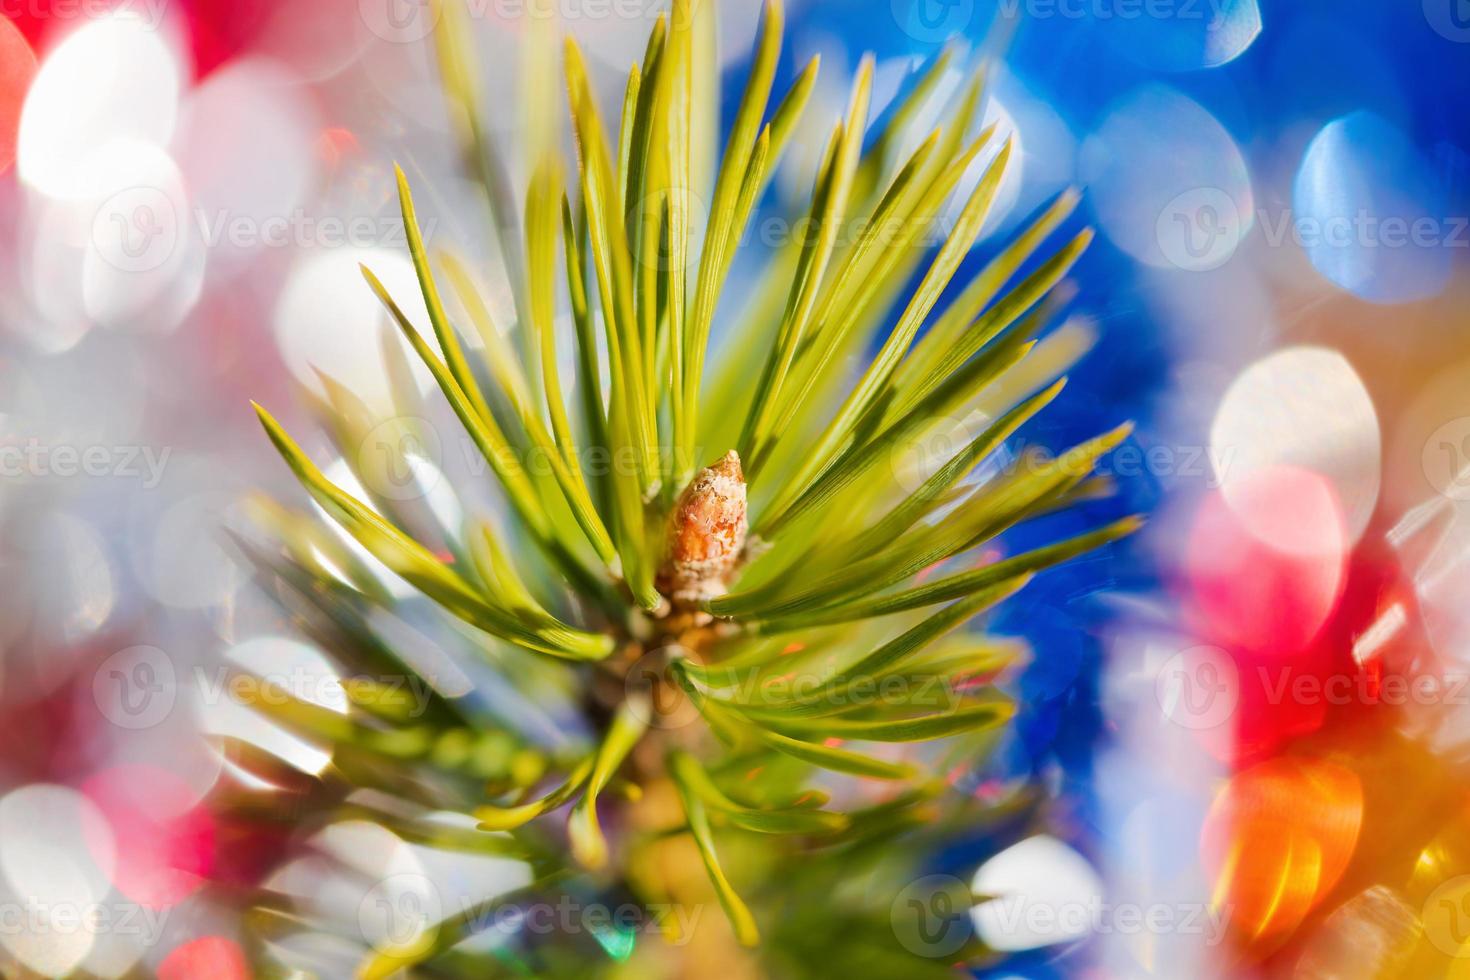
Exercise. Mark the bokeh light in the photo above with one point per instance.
(1249, 716)
(1168, 182)
(1206, 36)
(1373, 219)
(114, 78)
(1302, 407)
(1278, 838)
(1267, 562)
(17, 66)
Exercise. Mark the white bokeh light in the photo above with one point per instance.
(246, 190)
(1301, 407)
(1009, 191)
(1168, 183)
(114, 78)
(1040, 891)
(141, 252)
(327, 318)
(57, 854)
(298, 669)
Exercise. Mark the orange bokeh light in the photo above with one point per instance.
(1276, 840)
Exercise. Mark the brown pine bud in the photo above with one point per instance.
(706, 534)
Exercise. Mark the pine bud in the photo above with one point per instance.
(706, 534)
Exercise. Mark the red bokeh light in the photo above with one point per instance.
(211, 957)
(217, 29)
(17, 68)
(1266, 563)
(164, 839)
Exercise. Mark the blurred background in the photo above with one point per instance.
(1248, 728)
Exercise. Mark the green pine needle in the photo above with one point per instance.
(832, 564)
